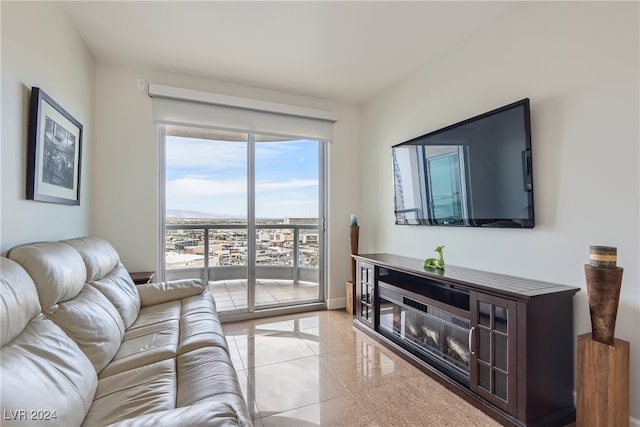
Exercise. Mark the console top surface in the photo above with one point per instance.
(494, 283)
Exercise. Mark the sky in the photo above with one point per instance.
(210, 177)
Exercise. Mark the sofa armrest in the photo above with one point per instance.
(214, 414)
(157, 293)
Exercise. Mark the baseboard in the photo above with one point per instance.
(334, 304)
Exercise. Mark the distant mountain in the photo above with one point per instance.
(184, 214)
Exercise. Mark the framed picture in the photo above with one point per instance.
(54, 154)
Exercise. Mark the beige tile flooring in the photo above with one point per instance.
(315, 369)
(232, 294)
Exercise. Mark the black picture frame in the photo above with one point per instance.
(54, 152)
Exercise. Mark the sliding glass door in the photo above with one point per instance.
(287, 220)
(244, 212)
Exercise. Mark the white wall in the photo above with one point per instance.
(578, 63)
(41, 48)
(126, 166)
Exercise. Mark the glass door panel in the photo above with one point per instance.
(206, 211)
(287, 219)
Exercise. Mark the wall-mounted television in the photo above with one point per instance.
(475, 173)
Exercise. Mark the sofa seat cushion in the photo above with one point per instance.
(207, 375)
(157, 313)
(196, 388)
(166, 331)
(144, 345)
(210, 414)
(139, 391)
(204, 373)
(199, 324)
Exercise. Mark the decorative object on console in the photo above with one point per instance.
(604, 280)
(353, 244)
(354, 233)
(437, 263)
(54, 153)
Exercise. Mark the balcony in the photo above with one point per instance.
(285, 264)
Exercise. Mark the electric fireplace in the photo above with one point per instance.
(435, 335)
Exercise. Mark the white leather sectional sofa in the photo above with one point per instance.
(83, 345)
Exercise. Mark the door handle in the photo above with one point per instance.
(471, 333)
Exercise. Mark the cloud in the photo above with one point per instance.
(186, 187)
(285, 185)
(194, 154)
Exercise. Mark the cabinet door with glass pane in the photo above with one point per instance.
(492, 343)
(365, 293)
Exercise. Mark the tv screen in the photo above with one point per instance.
(475, 173)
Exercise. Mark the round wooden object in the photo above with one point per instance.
(603, 256)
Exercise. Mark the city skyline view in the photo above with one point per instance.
(209, 177)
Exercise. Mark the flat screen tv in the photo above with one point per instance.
(475, 173)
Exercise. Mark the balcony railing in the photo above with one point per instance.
(216, 252)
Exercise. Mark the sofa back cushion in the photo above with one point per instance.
(99, 256)
(93, 323)
(19, 300)
(83, 312)
(44, 372)
(107, 274)
(57, 270)
(120, 290)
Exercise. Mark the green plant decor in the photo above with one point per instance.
(435, 263)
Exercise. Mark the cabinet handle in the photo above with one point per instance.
(471, 331)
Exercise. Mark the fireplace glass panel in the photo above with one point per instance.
(434, 335)
(456, 346)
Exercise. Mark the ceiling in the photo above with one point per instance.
(347, 51)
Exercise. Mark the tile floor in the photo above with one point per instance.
(315, 369)
(232, 294)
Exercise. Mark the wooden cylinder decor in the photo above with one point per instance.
(602, 383)
(604, 280)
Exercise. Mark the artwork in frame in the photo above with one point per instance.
(54, 154)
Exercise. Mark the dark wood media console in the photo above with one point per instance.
(504, 343)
